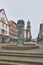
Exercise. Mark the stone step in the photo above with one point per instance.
(10, 63)
(14, 52)
(7, 63)
(22, 55)
(31, 55)
(22, 60)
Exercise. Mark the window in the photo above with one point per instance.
(3, 31)
(2, 24)
(13, 35)
(3, 12)
(2, 19)
(6, 32)
(5, 25)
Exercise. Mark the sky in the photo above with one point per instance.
(31, 10)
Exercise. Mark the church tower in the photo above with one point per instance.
(28, 32)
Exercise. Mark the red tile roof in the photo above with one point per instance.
(10, 22)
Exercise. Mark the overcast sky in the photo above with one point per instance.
(24, 9)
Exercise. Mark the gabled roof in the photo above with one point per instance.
(1, 10)
(10, 22)
(4, 13)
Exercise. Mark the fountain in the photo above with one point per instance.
(20, 41)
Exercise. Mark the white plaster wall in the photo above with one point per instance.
(0, 26)
(0, 30)
(3, 15)
(7, 29)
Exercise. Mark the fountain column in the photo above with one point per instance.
(20, 25)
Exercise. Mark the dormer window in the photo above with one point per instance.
(3, 12)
